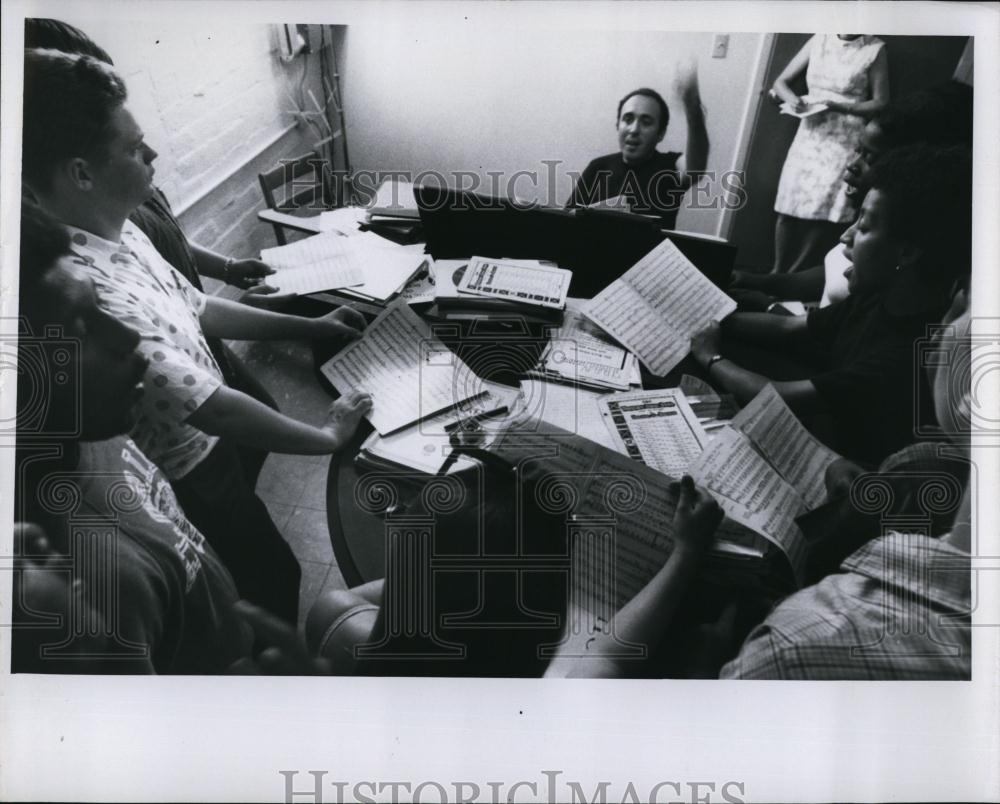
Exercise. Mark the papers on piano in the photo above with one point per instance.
(517, 282)
(409, 373)
(657, 428)
(394, 199)
(655, 307)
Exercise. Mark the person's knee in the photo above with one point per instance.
(337, 622)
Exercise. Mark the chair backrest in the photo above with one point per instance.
(296, 192)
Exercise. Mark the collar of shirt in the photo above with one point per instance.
(930, 569)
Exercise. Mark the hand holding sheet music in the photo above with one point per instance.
(408, 372)
(655, 307)
(791, 449)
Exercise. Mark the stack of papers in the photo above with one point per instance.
(579, 353)
(359, 265)
(394, 199)
(517, 282)
(427, 445)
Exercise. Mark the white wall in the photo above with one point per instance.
(212, 101)
(432, 97)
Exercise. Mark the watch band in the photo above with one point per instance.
(712, 361)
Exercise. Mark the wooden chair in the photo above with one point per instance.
(305, 183)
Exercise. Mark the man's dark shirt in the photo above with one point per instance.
(653, 188)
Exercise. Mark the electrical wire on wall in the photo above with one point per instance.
(326, 119)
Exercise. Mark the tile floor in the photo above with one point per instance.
(294, 486)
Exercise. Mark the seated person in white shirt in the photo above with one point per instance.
(86, 163)
(940, 115)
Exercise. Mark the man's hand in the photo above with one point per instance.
(696, 518)
(344, 321)
(706, 342)
(686, 83)
(248, 273)
(840, 476)
(345, 414)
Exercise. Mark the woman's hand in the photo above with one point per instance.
(696, 518)
(706, 342)
(839, 477)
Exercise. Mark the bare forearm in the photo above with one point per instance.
(697, 137)
(210, 263)
(804, 285)
(242, 419)
(763, 328)
(223, 318)
(643, 620)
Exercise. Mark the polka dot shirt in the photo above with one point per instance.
(137, 286)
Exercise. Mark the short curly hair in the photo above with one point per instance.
(69, 100)
(929, 193)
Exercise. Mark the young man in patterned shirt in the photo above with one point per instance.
(86, 163)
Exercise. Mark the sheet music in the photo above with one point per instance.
(568, 407)
(426, 445)
(792, 450)
(752, 493)
(655, 307)
(409, 373)
(657, 428)
(508, 279)
(321, 262)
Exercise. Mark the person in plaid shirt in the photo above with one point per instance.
(899, 607)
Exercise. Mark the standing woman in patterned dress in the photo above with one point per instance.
(850, 74)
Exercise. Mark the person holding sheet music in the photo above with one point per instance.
(939, 115)
(849, 75)
(86, 163)
(156, 219)
(855, 370)
(653, 183)
(897, 608)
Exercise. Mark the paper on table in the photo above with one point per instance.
(514, 281)
(752, 493)
(568, 407)
(409, 373)
(344, 220)
(426, 445)
(656, 306)
(577, 353)
(657, 428)
(791, 449)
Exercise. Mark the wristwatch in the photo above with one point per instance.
(712, 361)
